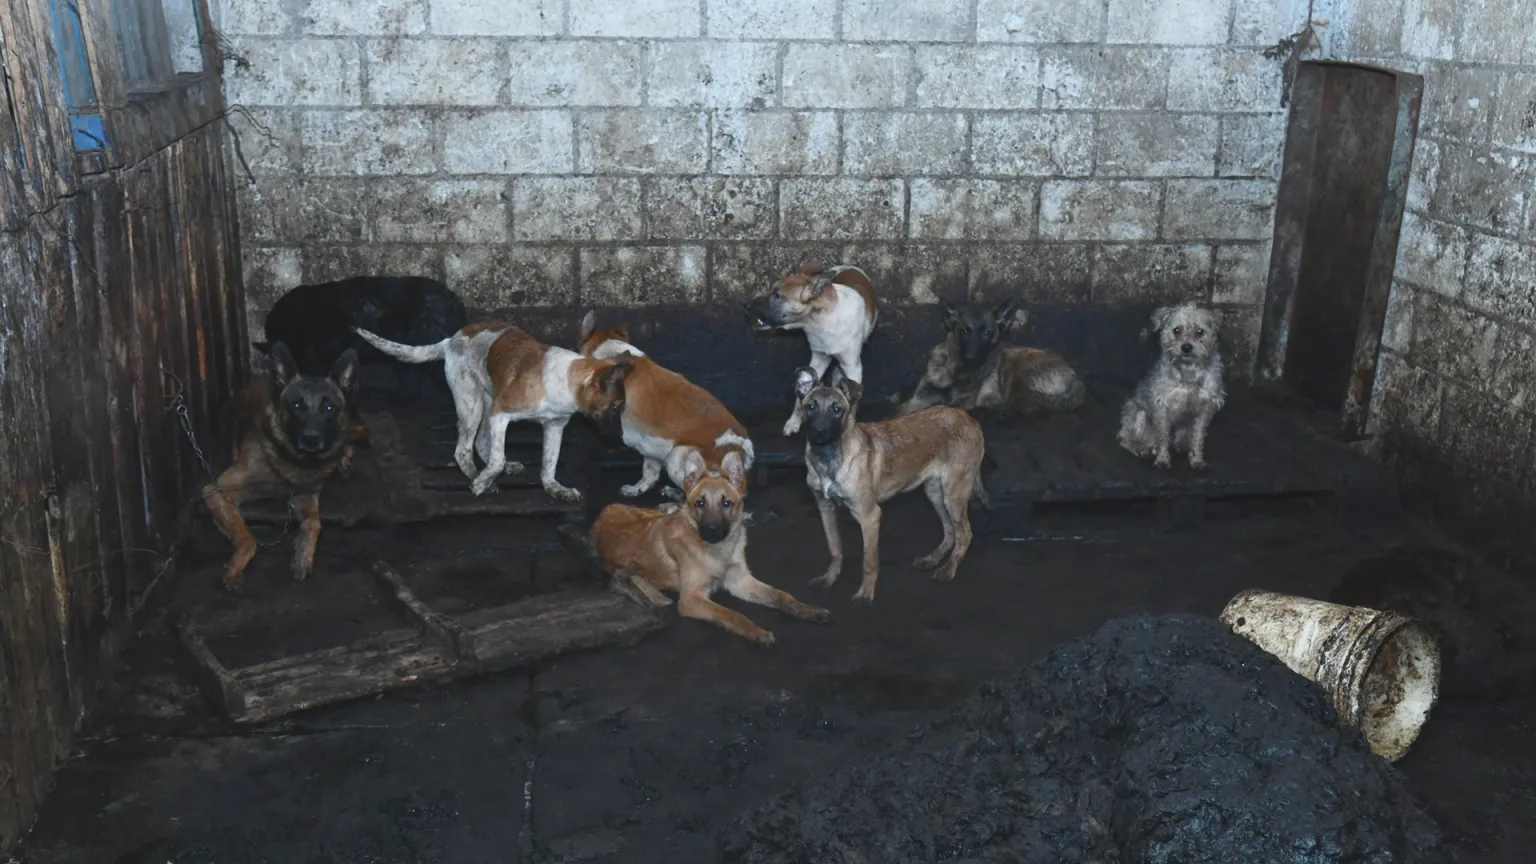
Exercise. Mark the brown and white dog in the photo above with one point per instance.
(500, 374)
(666, 416)
(693, 550)
(837, 310)
(863, 465)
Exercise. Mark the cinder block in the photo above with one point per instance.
(897, 143)
(1242, 274)
(1263, 23)
(363, 17)
(496, 17)
(846, 76)
(1512, 374)
(1429, 28)
(1423, 174)
(251, 18)
(772, 19)
(644, 276)
(503, 276)
(1121, 78)
(972, 210)
(1252, 145)
(1239, 337)
(1485, 437)
(1515, 125)
(1487, 189)
(1499, 278)
(711, 208)
(920, 273)
(1222, 79)
(1397, 328)
(383, 142)
(435, 71)
(712, 74)
(906, 21)
(1050, 273)
(1410, 398)
(327, 263)
(1032, 145)
(1452, 339)
(1146, 274)
(841, 209)
(575, 208)
(1038, 21)
(268, 272)
(1099, 209)
(508, 142)
(1504, 33)
(440, 211)
(293, 210)
(1168, 22)
(1368, 27)
(268, 139)
(1431, 255)
(1219, 210)
(1457, 102)
(990, 76)
(642, 141)
(1157, 145)
(293, 72)
(635, 19)
(775, 142)
(570, 74)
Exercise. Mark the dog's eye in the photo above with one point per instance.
(330, 408)
(701, 503)
(296, 405)
(1178, 331)
(725, 505)
(837, 409)
(1199, 332)
(965, 331)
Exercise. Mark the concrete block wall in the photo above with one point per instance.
(1456, 390)
(637, 152)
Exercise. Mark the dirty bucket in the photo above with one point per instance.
(1381, 669)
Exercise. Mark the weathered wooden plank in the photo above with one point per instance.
(221, 688)
(448, 632)
(390, 661)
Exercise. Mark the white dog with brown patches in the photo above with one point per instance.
(837, 310)
(499, 375)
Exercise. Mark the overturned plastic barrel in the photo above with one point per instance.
(1381, 669)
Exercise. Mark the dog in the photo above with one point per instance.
(837, 310)
(863, 465)
(972, 368)
(499, 374)
(1174, 404)
(315, 321)
(665, 415)
(290, 433)
(694, 549)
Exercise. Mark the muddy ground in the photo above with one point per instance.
(644, 754)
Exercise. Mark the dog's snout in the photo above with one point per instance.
(311, 441)
(713, 530)
(1187, 348)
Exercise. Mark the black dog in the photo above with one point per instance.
(316, 323)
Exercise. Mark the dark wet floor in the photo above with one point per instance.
(640, 754)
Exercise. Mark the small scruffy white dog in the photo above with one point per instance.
(1174, 405)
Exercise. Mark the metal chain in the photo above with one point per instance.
(179, 406)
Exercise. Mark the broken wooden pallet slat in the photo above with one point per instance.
(449, 632)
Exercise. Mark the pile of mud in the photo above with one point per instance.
(1161, 739)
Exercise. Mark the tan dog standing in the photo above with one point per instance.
(863, 465)
(694, 549)
(666, 416)
(500, 374)
(837, 310)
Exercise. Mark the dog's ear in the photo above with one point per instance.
(693, 470)
(805, 381)
(622, 331)
(851, 388)
(951, 315)
(1160, 318)
(588, 324)
(809, 268)
(818, 285)
(281, 367)
(344, 371)
(1009, 316)
(735, 467)
(611, 379)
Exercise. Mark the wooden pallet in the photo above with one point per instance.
(429, 647)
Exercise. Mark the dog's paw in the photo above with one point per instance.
(762, 639)
(633, 490)
(864, 596)
(814, 614)
(234, 584)
(759, 517)
(791, 426)
(826, 579)
(668, 509)
(1198, 464)
(482, 484)
(513, 468)
(1163, 460)
(672, 493)
(562, 493)
(927, 562)
(301, 569)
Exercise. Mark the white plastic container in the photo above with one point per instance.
(1381, 669)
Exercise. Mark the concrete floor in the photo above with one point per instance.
(641, 754)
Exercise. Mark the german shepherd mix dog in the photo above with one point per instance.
(694, 550)
(863, 465)
(972, 368)
(315, 321)
(500, 374)
(291, 432)
(666, 416)
(837, 310)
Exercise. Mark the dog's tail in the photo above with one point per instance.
(979, 492)
(728, 438)
(406, 353)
